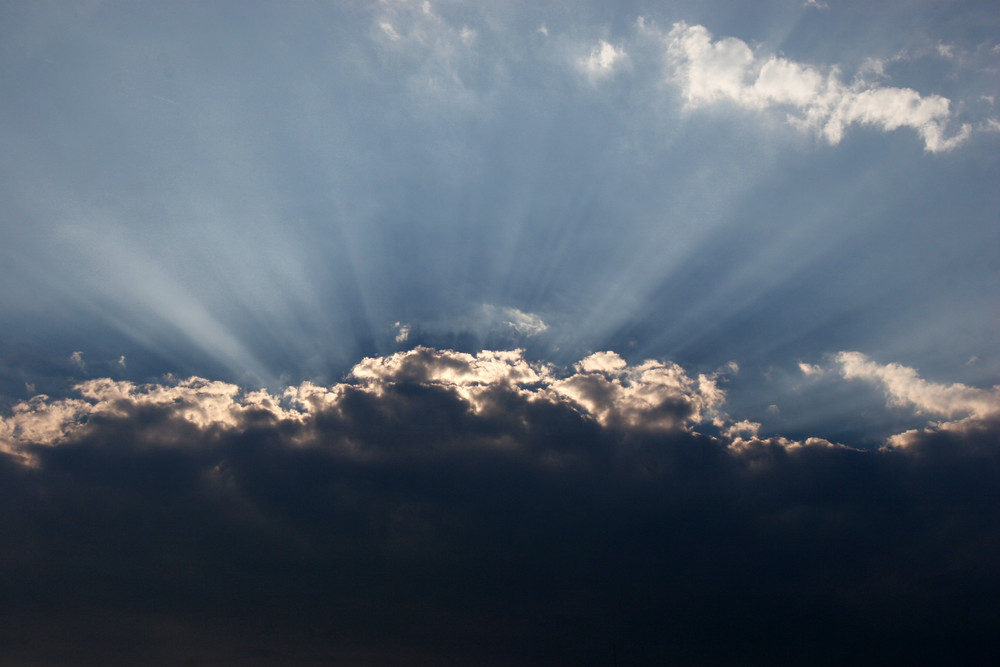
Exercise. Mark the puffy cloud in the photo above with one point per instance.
(978, 409)
(435, 502)
(402, 332)
(809, 369)
(710, 70)
(904, 386)
(603, 60)
(652, 395)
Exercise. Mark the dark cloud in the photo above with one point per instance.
(441, 508)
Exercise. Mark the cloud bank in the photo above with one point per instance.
(442, 507)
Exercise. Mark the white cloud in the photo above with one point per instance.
(467, 35)
(77, 359)
(526, 324)
(440, 56)
(710, 70)
(121, 361)
(603, 60)
(389, 30)
(602, 362)
(809, 369)
(975, 413)
(945, 50)
(402, 332)
(904, 387)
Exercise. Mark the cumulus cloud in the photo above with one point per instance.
(652, 395)
(603, 60)
(977, 410)
(444, 501)
(903, 386)
(710, 70)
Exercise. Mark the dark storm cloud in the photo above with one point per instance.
(443, 508)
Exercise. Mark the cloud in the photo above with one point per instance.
(651, 395)
(904, 387)
(709, 71)
(810, 369)
(526, 324)
(603, 60)
(437, 56)
(978, 410)
(402, 332)
(77, 359)
(556, 515)
(479, 489)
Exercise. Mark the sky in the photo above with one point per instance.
(514, 333)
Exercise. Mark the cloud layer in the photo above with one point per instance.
(441, 507)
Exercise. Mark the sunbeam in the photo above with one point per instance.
(441, 332)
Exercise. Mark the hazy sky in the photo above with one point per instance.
(358, 297)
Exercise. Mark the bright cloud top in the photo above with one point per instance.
(649, 397)
(978, 410)
(710, 70)
(905, 388)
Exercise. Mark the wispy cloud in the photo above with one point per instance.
(526, 324)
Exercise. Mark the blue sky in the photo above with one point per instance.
(775, 223)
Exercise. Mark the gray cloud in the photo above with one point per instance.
(447, 507)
